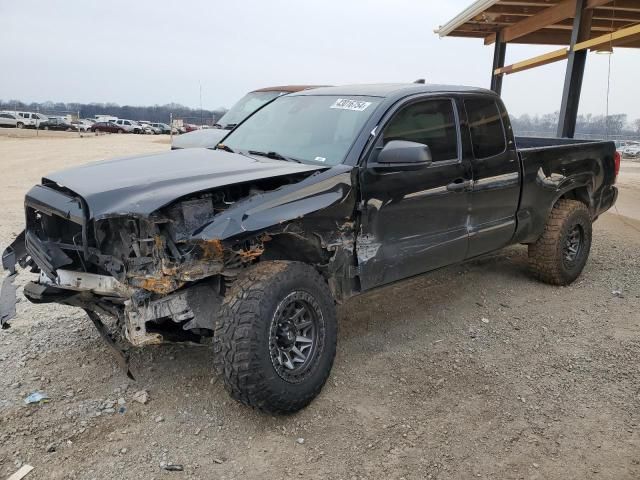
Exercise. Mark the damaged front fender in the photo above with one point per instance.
(292, 202)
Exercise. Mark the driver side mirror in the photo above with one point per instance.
(402, 153)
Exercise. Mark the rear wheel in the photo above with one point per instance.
(275, 338)
(560, 254)
(120, 130)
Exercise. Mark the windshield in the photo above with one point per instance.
(307, 128)
(245, 107)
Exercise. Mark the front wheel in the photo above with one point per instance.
(561, 252)
(275, 337)
(20, 125)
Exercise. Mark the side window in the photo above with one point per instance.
(430, 122)
(485, 124)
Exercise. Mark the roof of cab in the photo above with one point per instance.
(386, 90)
(287, 88)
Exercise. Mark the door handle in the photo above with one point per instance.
(459, 185)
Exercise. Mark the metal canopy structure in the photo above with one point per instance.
(577, 25)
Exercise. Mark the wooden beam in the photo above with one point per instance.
(500, 9)
(548, 16)
(620, 36)
(597, 3)
(623, 17)
(549, 37)
(551, 57)
(544, 18)
(621, 5)
(490, 39)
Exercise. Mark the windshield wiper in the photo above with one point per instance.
(273, 155)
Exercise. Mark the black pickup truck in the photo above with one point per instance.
(319, 196)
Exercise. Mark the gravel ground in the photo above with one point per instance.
(474, 371)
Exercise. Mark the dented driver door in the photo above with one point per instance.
(415, 220)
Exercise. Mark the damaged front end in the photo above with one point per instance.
(134, 268)
(162, 276)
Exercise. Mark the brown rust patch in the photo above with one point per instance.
(212, 249)
(162, 285)
(249, 255)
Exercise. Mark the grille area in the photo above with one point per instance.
(54, 229)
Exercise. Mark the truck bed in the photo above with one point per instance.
(553, 166)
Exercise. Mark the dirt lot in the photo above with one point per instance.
(475, 371)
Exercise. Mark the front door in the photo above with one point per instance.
(415, 221)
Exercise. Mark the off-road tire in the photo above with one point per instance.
(242, 337)
(546, 255)
(20, 125)
(120, 130)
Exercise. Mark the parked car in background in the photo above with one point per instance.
(108, 127)
(57, 123)
(149, 128)
(128, 126)
(105, 118)
(8, 119)
(138, 127)
(163, 127)
(631, 150)
(81, 125)
(30, 119)
(190, 127)
(252, 101)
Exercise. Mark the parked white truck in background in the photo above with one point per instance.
(30, 119)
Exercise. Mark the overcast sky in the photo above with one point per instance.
(147, 52)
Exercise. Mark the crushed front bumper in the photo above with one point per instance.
(192, 308)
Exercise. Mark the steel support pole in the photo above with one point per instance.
(575, 71)
(499, 53)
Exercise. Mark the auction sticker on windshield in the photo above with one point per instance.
(348, 104)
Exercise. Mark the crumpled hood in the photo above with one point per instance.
(207, 138)
(141, 185)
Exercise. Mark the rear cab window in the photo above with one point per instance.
(486, 127)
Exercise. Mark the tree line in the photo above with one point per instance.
(588, 125)
(155, 113)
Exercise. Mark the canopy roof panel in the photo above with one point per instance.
(542, 22)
